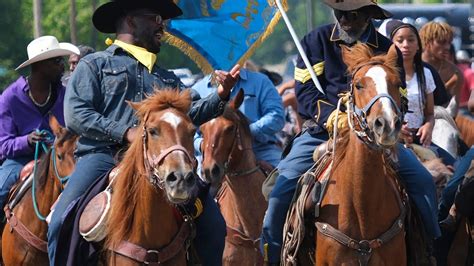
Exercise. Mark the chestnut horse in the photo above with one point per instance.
(228, 158)
(157, 173)
(466, 125)
(24, 237)
(361, 216)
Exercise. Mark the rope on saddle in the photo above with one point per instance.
(294, 228)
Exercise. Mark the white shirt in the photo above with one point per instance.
(415, 119)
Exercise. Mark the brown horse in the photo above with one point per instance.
(362, 215)
(228, 158)
(24, 237)
(156, 173)
(466, 125)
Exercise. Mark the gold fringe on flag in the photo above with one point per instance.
(203, 64)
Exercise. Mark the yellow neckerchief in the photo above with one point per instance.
(141, 54)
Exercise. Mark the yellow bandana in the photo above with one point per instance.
(141, 54)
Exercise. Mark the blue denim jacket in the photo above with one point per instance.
(95, 104)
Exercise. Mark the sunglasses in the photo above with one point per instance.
(57, 60)
(349, 15)
(157, 18)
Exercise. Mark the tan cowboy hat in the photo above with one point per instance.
(349, 5)
(46, 47)
(106, 15)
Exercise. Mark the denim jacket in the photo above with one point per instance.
(95, 104)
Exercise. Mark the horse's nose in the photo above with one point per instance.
(212, 173)
(180, 180)
(379, 125)
(190, 179)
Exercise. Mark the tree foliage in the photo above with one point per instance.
(16, 24)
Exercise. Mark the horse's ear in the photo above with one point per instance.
(392, 56)
(237, 101)
(54, 125)
(346, 57)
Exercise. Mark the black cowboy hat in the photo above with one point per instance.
(350, 5)
(106, 15)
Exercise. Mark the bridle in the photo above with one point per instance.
(236, 144)
(359, 115)
(152, 164)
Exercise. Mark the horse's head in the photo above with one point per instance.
(167, 143)
(221, 137)
(375, 100)
(62, 153)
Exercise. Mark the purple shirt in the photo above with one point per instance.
(19, 116)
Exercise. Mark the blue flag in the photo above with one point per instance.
(217, 34)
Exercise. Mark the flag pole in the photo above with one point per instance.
(298, 46)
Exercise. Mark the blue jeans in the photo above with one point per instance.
(210, 234)
(420, 188)
(210, 225)
(9, 174)
(88, 168)
(447, 196)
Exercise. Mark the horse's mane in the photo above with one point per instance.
(361, 54)
(162, 99)
(129, 185)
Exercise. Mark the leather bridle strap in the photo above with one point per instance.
(157, 257)
(365, 247)
(239, 238)
(26, 234)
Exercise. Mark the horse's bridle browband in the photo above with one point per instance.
(151, 164)
(360, 115)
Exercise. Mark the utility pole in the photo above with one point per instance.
(37, 17)
(309, 15)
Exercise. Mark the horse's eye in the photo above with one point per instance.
(60, 156)
(359, 85)
(153, 131)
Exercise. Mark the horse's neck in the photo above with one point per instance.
(362, 181)
(45, 196)
(243, 204)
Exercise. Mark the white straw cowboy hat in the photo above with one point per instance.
(46, 47)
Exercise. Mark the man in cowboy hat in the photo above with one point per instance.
(322, 45)
(26, 105)
(96, 107)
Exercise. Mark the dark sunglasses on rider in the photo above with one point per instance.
(349, 15)
(158, 19)
(57, 60)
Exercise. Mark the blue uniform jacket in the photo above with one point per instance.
(326, 59)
